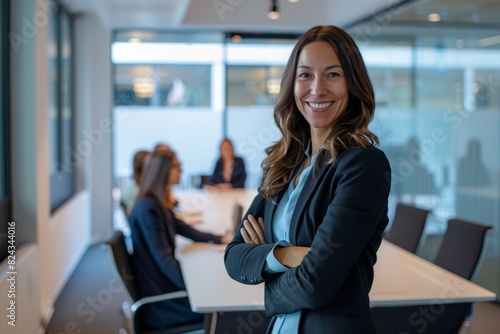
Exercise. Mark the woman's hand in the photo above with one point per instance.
(253, 230)
(226, 238)
(224, 186)
(290, 256)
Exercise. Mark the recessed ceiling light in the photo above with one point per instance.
(134, 40)
(434, 17)
(293, 0)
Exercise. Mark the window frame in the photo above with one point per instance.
(62, 171)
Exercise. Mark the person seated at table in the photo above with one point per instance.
(132, 188)
(153, 229)
(162, 146)
(229, 171)
(165, 147)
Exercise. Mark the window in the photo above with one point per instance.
(253, 85)
(163, 85)
(60, 67)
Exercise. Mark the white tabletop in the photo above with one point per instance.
(401, 278)
(215, 206)
(209, 286)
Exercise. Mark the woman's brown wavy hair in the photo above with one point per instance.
(349, 130)
(155, 175)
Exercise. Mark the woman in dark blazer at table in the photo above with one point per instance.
(153, 228)
(312, 232)
(229, 171)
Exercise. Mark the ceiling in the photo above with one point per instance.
(483, 13)
(251, 16)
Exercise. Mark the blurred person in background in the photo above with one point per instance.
(154, 226)
(229, 171)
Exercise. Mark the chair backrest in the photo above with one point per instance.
(462, 247)
(124, 208)
(198, 181)
(237, 216)
(407, 226)
(122, 262)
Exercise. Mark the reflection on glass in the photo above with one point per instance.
(471, 171)
(163, 85)
(253, 85)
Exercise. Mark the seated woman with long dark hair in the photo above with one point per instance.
(229, 170)
(153, 228)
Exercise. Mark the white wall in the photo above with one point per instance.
(193, 134)
(62, 241)
(93, 107)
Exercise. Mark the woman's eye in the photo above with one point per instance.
(303, 75)
(334, 75)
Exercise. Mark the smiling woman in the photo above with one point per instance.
(313, 231)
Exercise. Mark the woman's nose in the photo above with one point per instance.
(318, 87)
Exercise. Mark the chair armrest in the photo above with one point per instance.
(158, 298)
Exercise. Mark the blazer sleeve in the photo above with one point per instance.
(239, 173)
(153, 228)
(244, 261)
(358, 207)
(191, 233)
(216, 176)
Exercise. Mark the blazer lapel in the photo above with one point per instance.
(313, 180)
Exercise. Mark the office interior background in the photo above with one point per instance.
(85, 84)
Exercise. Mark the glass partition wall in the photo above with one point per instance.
(438, 119)
(437, 116)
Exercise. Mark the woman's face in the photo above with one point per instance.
(175, 172)
(320, 89)
(226, 151)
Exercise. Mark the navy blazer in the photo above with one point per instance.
(238, 176)
(153, 229)
(341, 214)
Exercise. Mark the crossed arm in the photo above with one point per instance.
(253, 232)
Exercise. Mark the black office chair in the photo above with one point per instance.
(460, 252)
(237, 216)
(407, 227)
(462, 247)
(124, 270)
(198, 181)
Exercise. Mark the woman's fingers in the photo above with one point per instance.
(258, 227)
(245, 235)
(252, 234)
(253, 230)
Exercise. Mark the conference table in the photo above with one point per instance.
(401, 278)
(213, 206)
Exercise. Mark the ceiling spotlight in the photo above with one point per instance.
(236, 38)
(274, 13)
(293, 1)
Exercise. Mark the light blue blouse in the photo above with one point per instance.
(286, 323)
